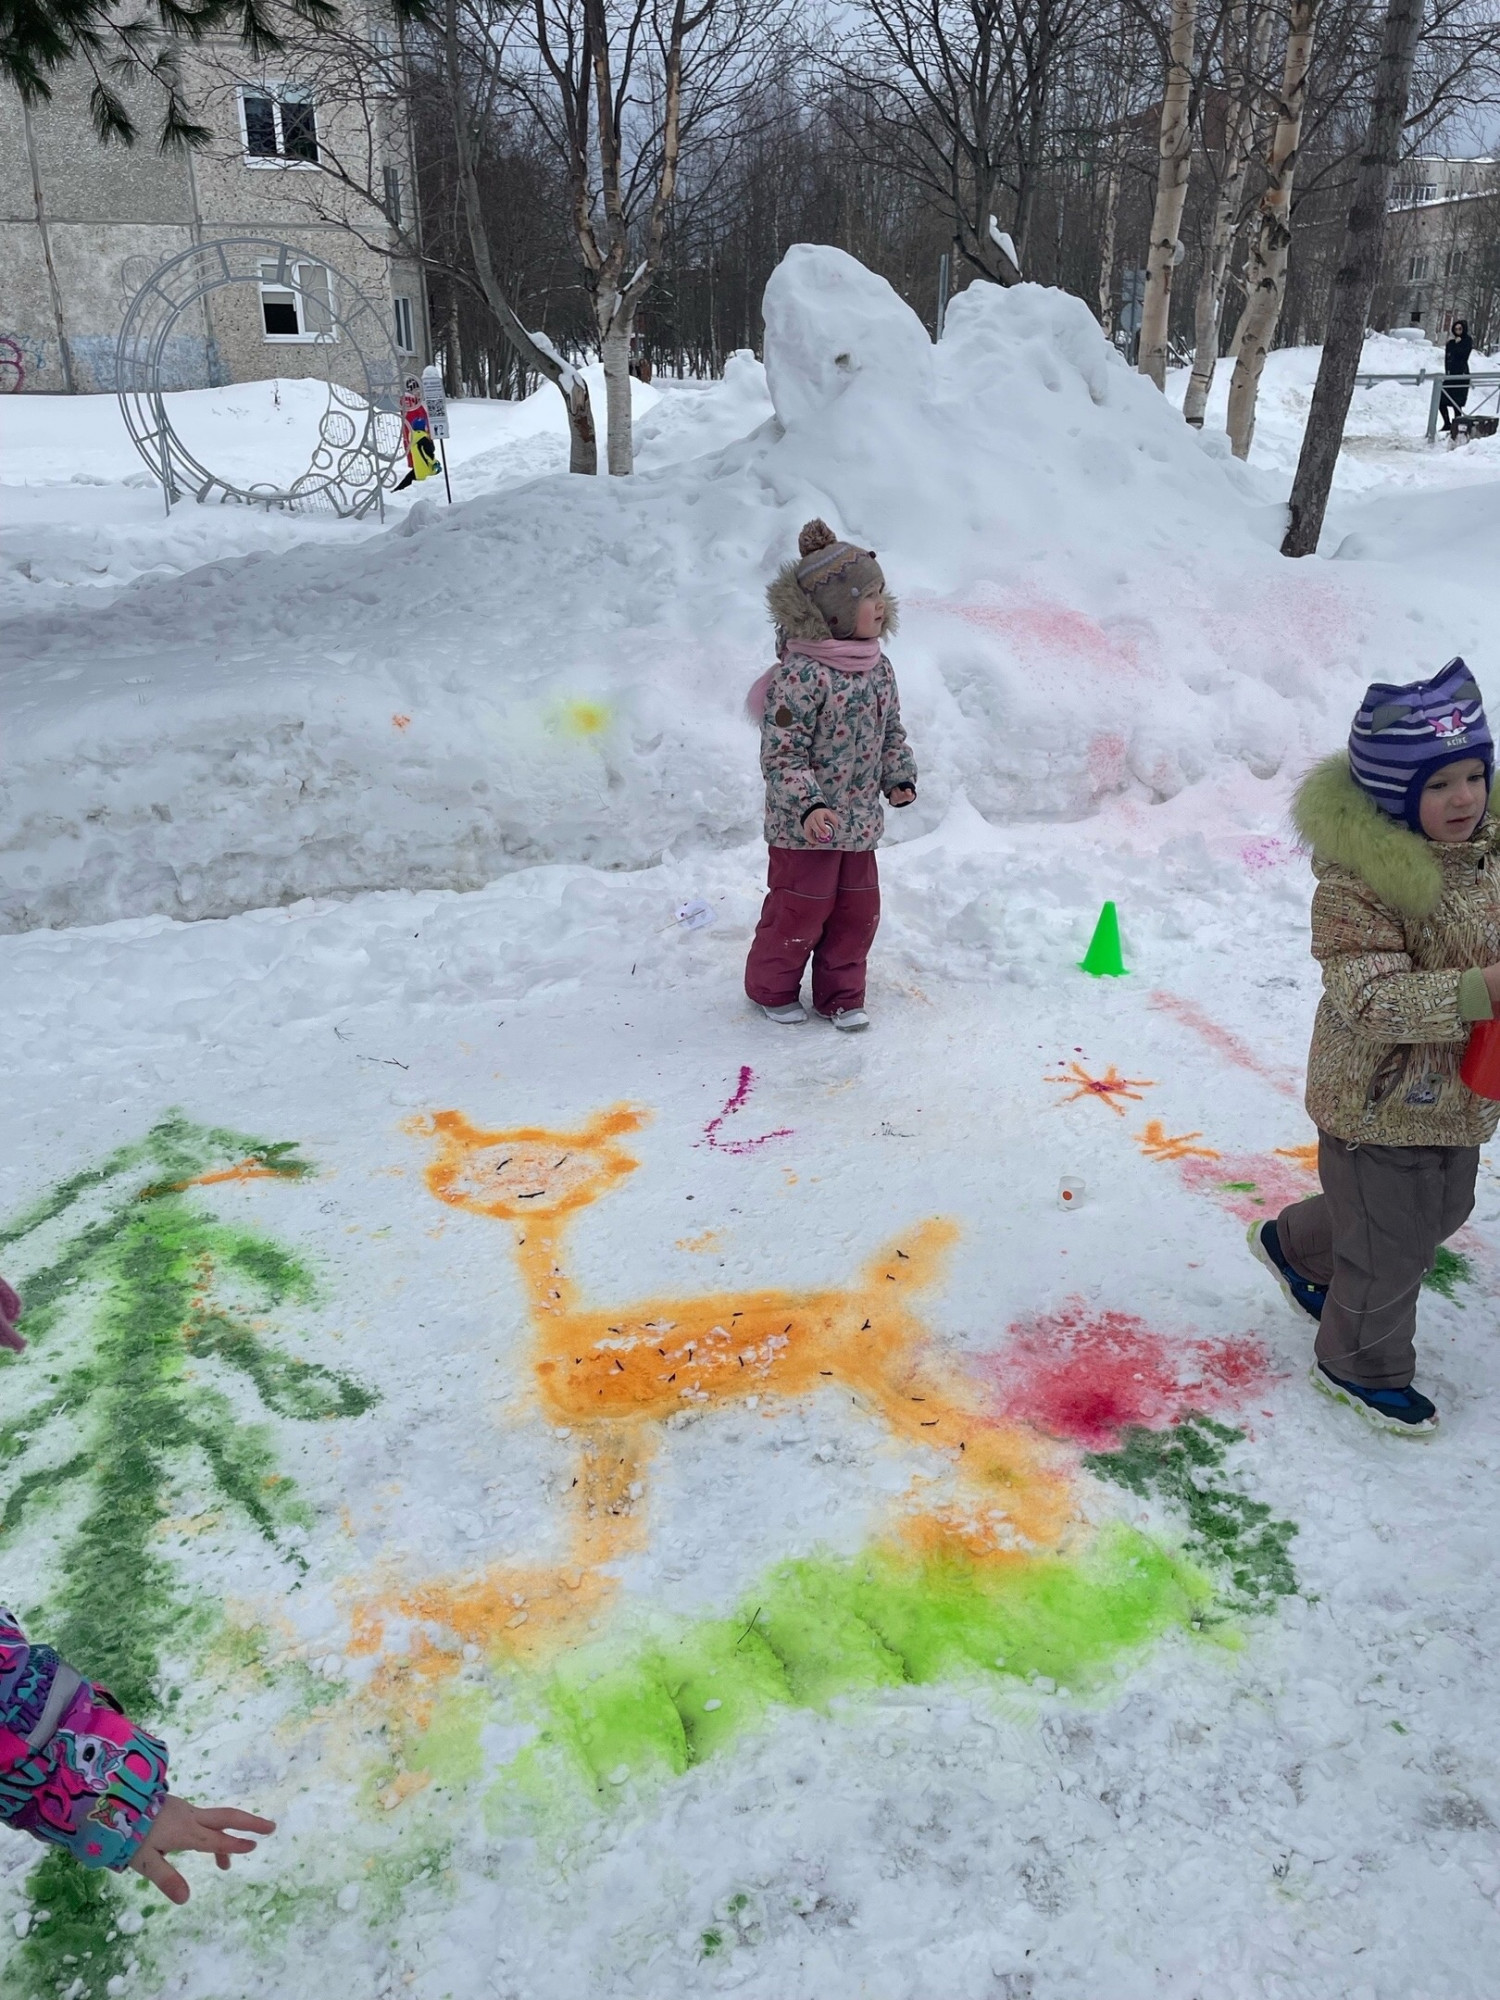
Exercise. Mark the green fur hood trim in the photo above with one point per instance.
(1341, 824)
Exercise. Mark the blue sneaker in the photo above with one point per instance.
(1405, 1411)
(1265, 1248)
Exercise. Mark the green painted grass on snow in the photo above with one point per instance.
(151, 1287)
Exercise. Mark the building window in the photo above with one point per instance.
(404, 342)
(296, 302)
(393, 195)
(280, 125)
(1418, 267)
(1456, 260)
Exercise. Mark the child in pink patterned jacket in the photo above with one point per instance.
(831, 743)
(76, 1771)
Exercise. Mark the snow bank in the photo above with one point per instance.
(554, 671)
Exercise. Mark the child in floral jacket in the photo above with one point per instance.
(831, 743)
(76, 1771)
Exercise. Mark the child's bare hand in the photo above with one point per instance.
(181, 1826)
(819, 826)
(1492, 982)
(903, 795)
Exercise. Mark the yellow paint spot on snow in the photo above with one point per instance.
(583, 718)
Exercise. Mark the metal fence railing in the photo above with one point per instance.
(1487, 405)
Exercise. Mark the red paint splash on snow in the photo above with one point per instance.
(1087, 1375)
(1253, 1186)
(733, 1105)
(1044, 625)
(1108, 768)
(1224, 1041)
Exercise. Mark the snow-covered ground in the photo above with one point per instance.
(1385, 438)
(656, 1504)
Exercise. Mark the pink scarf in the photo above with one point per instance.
(850, 656)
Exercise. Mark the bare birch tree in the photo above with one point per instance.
(472, 77)
(1175, 148)
(621, 86)
(1112, 177)
(1265, 273)
(1248, 38)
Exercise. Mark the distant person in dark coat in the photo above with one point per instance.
(1455, 375)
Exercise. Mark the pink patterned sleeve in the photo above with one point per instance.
(74, 1770)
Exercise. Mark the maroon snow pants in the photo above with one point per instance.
(824, 902)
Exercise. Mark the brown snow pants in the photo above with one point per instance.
(1371, 1237)
(824, 904)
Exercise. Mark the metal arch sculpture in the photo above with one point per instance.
(359, 454)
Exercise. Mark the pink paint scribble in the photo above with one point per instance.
(1088, 1375)
(734, 1105)
(1226, 1043)
(1266, 852)
(1253, 1186)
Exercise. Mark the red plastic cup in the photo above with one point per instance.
(1480, 1068)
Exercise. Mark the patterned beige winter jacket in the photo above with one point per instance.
(1401, 927)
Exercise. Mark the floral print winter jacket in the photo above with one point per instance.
(831, 738)
(73, 1769)
(1402, 927)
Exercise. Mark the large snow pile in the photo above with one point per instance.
(556, 671)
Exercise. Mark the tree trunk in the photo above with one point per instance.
(1265, 273)
(1250, 55)
(453, 374)
(1176, 152)
(1107, 245)
(1355, 279)
(583, 450)
(614, 349)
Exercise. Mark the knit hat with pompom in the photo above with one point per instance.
(836, 576)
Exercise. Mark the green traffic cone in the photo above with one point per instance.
(1104, 959)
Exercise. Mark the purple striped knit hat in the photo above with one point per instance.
(1401, 735)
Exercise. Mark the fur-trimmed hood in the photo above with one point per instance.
(795, 616)
(1342, 825)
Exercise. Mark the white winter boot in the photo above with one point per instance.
(787, 1016)
(850, 1020)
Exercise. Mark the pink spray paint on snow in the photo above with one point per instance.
(732, 1107)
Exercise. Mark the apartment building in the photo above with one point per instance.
(1442, 247)
(313, 148)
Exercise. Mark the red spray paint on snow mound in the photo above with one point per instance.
(1088, 1375)
(1254, 1186)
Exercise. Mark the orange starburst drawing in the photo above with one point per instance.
(1158, 1144)
(1108, 1087)
(1306, 1157)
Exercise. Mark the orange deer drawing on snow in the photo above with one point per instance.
(613, 1375)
